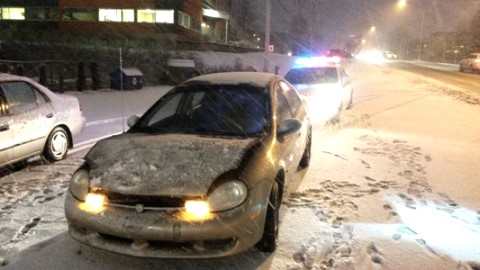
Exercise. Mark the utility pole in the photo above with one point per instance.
(267, 35)
(421, 36)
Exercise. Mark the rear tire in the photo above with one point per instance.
(268, 243)
(350, 101)
(336, 118)
(56, 147)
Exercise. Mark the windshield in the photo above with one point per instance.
(312, 75)
(209, 110)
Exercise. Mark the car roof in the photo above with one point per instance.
(260, 79)
(7, 77)
(10, 77)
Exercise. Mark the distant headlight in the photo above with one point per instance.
(79, 184)
(227, 195)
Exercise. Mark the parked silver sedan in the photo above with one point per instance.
(201, 174)
(34, 120)
(470, 63)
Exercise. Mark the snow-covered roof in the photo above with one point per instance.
(260, 79)
(5, 77)
(11, 77)
(132, 71)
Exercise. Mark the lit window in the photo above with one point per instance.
(145, 16)
(155, 16)
(12, 13)
(164, 16)
(116, 15)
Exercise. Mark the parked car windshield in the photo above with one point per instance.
(312, 75)
(225, 110)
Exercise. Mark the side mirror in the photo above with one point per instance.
(132, 120)
(288, 126)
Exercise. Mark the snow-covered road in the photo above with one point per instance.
(394, 185)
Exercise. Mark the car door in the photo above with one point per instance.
(287, 149)
(31, 118)
(298, 111)
(6, 136)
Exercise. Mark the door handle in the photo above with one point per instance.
(4, 127)
(50, 115)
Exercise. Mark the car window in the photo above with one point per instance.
(168, 109)
(292, 97)
(283, 110)
(312, 75)
(216, 110)
(41, 99)
(20, 96)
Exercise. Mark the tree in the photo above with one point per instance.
(475, 31)
(81, 81)
(243, 18)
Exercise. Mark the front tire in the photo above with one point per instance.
(268, 243)
(56, 147)
(305, 161)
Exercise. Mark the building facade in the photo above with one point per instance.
(191, 20)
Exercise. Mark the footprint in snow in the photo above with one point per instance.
(32, 223)
(375, 253)
(366, 164)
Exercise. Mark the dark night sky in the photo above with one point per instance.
(337, 19)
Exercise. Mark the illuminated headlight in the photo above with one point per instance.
(95, 201)
(79, 184)
(197, 209)
(227, 195)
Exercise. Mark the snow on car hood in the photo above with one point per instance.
(164, 165)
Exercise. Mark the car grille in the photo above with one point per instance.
(147, 201)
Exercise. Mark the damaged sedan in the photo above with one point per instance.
(201, 174)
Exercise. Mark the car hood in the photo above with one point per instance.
(163, 165)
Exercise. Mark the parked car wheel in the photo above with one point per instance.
(336, 118)
(305, 161)
(57, 145)
(268, 243)
(350, 101)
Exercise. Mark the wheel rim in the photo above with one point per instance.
(59, 144)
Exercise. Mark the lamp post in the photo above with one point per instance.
(421, 36)
(402, 4)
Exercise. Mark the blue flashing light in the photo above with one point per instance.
(316, 61)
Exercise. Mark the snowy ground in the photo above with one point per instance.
(394, 185)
